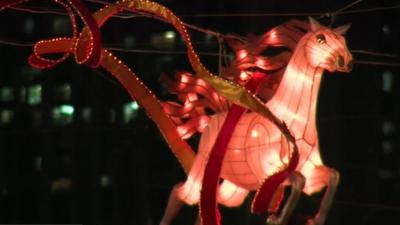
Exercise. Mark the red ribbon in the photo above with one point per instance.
(208, 204)
(268, 188)
(93, 58)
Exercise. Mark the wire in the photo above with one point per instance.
(366, 52)
(355, 11)
(38, 10)
(161, 52)
(146, 51)
(214, 54)
(333, 15)
(394, 64)
(348, 6)
(109, 79)
(340, 11)
(17, 44)
(43, 10)
(368, 205)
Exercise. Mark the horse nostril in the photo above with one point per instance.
(350, 65)
(340, 61)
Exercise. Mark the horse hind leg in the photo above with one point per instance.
(231, 195)
(297, 182)
(327, 199)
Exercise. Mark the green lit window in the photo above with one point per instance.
(29, 25)
(63, 93)
(129, 41)
(29, 72)
(61, 25)
(86, 114)
(112, 116)
(164, 40)
(63, 114)
(36, 117)
(6, 94)
(105, 181)
(169, 35)
(130, 111)
(34, 94)
(22, 94)
(6, 116)
(387, 81)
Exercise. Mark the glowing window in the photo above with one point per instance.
(63, 93)
(61, 25)
(29, 25)
(112, 115)
(387, 82)
(36, 117)
(34, 94)
(129, 41)
(164, 40)
(105, 181)
(6, 116)
(130, 111)
(86, 114)
(169, 35)
(22, 94)
(63, 114)
(6, 94)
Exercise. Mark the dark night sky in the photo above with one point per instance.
(358, 119)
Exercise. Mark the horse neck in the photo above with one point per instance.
(296, 96)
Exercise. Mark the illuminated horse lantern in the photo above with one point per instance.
(257, 149)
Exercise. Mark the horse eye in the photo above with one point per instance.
(321, 39)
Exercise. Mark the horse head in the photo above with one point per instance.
(326, 48)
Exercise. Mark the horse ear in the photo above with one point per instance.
(342, 29)
(314, 24)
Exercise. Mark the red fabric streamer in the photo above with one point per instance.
(93, 58)
(266, 192)
(208, 204)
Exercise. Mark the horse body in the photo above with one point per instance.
(258, 149)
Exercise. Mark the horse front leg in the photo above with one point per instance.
(185, 193)
(297, 182)
(327, 199)
(174, 205)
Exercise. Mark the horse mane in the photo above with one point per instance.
(197, 100)
(276, 46)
